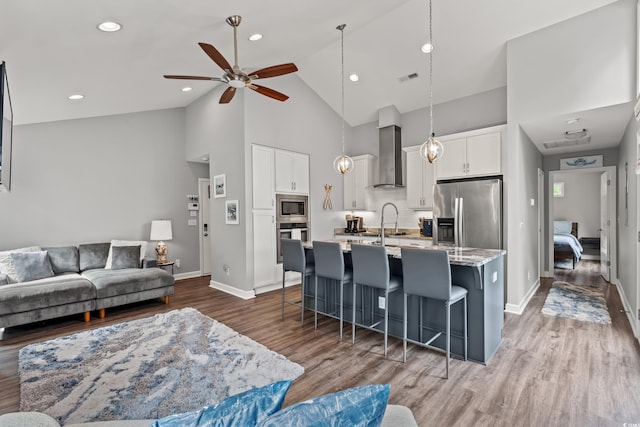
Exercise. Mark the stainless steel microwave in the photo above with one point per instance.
(291, 208)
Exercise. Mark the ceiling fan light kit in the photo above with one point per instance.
(234, 76)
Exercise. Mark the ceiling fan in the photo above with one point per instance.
(234, 76)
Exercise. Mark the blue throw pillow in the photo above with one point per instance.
(244, 409)
(354, 407)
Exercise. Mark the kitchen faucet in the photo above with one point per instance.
(382, 221)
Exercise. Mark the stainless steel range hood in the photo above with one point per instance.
(390, 149)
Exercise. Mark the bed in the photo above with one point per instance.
(565, 241)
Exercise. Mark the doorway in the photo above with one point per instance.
(204, 195)
(595, 212)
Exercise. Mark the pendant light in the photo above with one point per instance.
(343, 163)
(432, 149)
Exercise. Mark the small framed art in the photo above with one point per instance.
(219, 186)
(232, 212)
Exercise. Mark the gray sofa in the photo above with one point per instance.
(77, 282)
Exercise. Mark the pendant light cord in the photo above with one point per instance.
(431, 134)
(341, 28)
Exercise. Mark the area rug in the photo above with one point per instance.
(173, 362)
(576, 302)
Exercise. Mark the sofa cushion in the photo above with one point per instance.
(125, 257)
(110, 283)
(6, 264)
(355, 407)
(93, 255)
(44, 293)
(63, 259)
(114, 243)
(31, 265)
(243, 409)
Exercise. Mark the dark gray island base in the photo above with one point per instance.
(479, 271)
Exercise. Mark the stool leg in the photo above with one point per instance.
(341, 305)
(465, 327)
(386, 320)
(448, 338)
(283, 273)
(404, 331)
(353, 316)
(302, 300)
(315, 304)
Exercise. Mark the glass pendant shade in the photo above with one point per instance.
(343, 164)
(432, 149)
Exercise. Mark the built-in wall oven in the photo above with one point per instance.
(292, 219)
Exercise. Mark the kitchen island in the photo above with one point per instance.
(479, 271)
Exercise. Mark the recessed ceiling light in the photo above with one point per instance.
(76, 96)
(426, 48)
(109, 26)
(186, 89)
(573, 121)
(205, 158)
(354, 77)
(255, 37)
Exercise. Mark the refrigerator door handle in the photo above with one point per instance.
(461, 239)
(456, 223)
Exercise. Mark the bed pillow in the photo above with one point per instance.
(125, 257)
(355, 407)
(143, 249)
(562, 227)
(244, 409)
(31, 265)
(6, 264)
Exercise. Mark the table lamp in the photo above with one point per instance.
(161, 230)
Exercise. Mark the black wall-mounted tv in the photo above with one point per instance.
(6, 130)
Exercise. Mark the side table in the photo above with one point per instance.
(167, 264)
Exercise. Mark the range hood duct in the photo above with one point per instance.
(390, 157)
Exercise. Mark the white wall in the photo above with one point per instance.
(581, 201)
(551, 72)
(97, 179)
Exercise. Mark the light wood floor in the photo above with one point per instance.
(549, 371)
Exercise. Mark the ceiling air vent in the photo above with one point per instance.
(567, 142)
(408, 77)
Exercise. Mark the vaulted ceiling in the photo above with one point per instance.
(53, 50)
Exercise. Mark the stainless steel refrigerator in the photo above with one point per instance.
(468, 213)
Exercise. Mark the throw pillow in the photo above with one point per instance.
(244, 409)
(63, 259)
(143, 249)
(354, 407)
(31, 265)
(6, 264)
(93, 255)
(125, 257)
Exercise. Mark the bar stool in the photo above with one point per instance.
(294, 259)
(329, 265)
(427, 273)
(371, 269)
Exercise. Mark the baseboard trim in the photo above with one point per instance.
(627, 308)
(231, 290)
(275, 286)
(187, 275)
(519, 308)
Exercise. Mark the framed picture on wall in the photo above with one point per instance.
(581, 162)
(232, 212)
(219, 186)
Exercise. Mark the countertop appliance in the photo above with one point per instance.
(468, 213)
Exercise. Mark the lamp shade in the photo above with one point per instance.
(161, 230)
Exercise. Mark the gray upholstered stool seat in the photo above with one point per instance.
(330, 265)
(294, 259)
(371, 269)
(427, 274)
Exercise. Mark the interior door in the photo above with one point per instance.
(205, 233)
(605, 224)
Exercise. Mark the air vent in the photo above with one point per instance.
(408, 77)
(561, 143)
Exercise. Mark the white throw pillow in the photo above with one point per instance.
(6, 263)
(141, 243)
(562, 227)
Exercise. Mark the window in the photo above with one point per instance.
(558, 189)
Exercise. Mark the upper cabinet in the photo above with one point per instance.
(263, 168)
(357, 181)
(420, 180)
(292, 172)
(471, 154)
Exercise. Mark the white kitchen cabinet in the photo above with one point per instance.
(420, 180)
(263, 168)
(292, 172)
(264, 248)
(471, 154)
(357, 181)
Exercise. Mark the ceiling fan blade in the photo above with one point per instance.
(227, 95)
(269, 92)
(217, 57)
(274, 71)
(171, 76)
